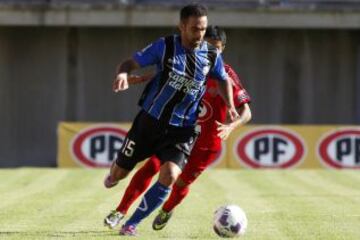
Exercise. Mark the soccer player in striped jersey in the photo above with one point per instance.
(165, 126)
(206, 149)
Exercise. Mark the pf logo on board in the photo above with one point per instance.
(97, 146)
(341, 149)
(270, 148)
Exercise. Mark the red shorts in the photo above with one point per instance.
(198, 162)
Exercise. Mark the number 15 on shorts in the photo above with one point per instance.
(128, 149)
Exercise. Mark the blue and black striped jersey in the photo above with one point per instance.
(175, 92)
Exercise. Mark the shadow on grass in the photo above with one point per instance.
(72, 234)
(59, 233)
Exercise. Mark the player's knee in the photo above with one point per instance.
(117, 173)
(169, 174)
(167, 179)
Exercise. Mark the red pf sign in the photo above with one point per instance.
(270, 148)
(341, 149)
(97, 146)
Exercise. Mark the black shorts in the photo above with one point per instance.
(148, 137)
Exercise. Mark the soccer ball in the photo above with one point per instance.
(230, 221)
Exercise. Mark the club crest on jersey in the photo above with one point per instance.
(206, 70)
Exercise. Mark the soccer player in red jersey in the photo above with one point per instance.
(211, 120)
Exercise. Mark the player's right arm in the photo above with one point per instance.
(150, 55)
(136, 79)
(121, 80)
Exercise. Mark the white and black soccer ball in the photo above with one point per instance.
(230, 221)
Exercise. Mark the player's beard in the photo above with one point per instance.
(191, 43)
(195, 43)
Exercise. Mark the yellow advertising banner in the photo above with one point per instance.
(89, 144)
(300, 146)
(252, 146)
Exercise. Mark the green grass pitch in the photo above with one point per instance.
(293, 204)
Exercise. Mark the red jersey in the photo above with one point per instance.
(213, 108)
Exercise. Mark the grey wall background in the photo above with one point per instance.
(53, 74)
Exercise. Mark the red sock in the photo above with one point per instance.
(176, 196)
(138, 184)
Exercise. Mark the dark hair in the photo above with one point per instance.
(193, 10)
(216, 33)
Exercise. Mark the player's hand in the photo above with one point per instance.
(224, 130)
(120, 82)
(233, 114)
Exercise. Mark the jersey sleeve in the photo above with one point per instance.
(218, 71)
(151, 54)
(241, 96)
